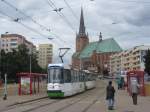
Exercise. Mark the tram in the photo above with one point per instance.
(66, 82)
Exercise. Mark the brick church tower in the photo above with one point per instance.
(81, 38)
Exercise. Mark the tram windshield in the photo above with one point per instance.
(54, 75)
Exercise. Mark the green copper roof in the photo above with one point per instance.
(104, 46)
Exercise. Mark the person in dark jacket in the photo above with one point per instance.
(110, 93)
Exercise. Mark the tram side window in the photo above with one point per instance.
(83, 76)
(80, 77)
(88, 77)
(72, 78)
(67, 76)
(48, 77)
(75, 76)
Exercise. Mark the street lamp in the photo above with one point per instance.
(30, 56)
(30, 64)
(5, 88)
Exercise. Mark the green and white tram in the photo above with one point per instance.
(66, 82)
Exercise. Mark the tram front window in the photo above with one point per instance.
(54, 75)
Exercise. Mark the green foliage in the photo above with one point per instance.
(18, 61)
(147, 62)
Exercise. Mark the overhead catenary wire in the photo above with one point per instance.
(72, 11)
(29, 28)
(42, 26)
(34, 21)
(53, 6)
(132, 1)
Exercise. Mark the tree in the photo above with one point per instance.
(18, 61)
(2, 63)
(147, 62)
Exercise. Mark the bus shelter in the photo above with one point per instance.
(139, 76)
(29, 83)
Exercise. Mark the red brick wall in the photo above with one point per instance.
(81, 42)
(100, 59)
(97, 59)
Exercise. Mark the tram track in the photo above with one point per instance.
(67, 99)
(43, 105)
(15, 105)
(73, 102)
(28, 102)
(22, 104)
(70, 101)
(86, 108)
(90, 105)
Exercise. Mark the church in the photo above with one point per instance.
(93, 56)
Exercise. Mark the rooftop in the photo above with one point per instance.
(103, 46)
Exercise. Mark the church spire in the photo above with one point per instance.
(82, 26)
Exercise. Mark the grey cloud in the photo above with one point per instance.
(131, 28)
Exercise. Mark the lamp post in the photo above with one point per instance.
(5, 88)
(30, 64)
(30, 53)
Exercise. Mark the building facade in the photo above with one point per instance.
(12, 41)
(45, 54)
(131, 59)
(93, 56)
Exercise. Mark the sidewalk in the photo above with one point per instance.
(12, 100)
(123, 103)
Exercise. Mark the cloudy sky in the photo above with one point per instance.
(127, 21)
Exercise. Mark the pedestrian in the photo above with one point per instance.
(122, 83)
(118, 82)
(134, 90)
(110, 92)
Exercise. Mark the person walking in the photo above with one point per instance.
(134, 90)
(110, 92)
(118, 80)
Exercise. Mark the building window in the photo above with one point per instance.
(13, 44)
(13, 40)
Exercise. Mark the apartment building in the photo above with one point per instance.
(45, 54)
(131, 59)
(12, 41)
